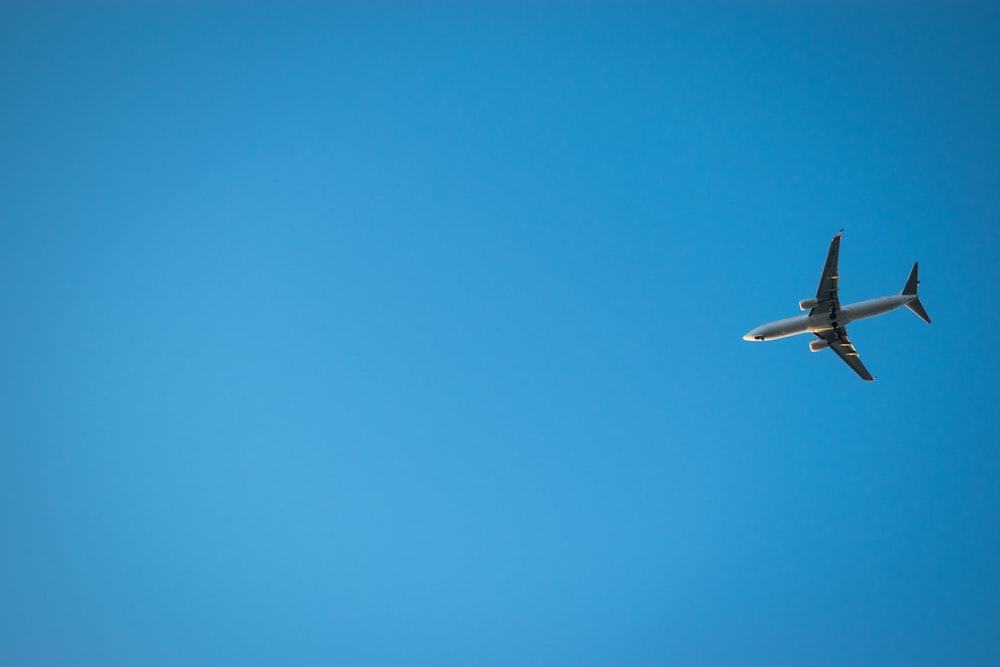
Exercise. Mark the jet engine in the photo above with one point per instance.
(807, 304)
(817, 345)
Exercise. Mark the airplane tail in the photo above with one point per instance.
(911, 290)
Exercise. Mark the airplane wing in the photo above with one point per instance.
(827, 300)
(841, 344)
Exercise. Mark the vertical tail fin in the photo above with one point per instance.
(911, 290)
(912, 282)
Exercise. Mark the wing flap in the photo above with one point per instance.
(841, 344)
(827, 300)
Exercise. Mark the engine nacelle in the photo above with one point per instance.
(807, 304)
(817, 345)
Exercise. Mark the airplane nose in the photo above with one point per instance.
(748, 336)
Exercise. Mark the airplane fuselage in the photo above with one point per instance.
(808, 323)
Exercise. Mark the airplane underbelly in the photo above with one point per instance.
(790, 327)
(821, 323)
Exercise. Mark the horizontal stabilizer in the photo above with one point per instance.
(918, 310)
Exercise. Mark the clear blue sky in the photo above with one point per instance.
(412, 336)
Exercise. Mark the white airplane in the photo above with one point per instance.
(827, 318)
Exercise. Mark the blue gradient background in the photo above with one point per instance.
(337, 335)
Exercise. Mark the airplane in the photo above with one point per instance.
(827, 319)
